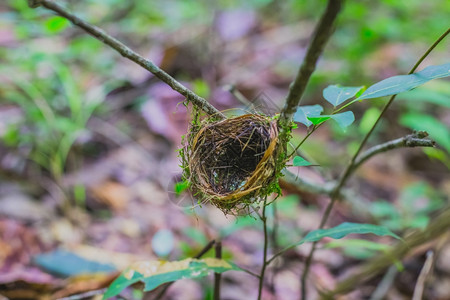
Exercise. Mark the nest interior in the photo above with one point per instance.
(233, 161)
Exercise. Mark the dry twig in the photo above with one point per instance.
(125, 51)
(420, 285)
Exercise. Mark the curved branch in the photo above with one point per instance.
(416, 139)
(290, 179)
(125, 51)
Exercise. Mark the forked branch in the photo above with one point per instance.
(351, 167)
(321, 35)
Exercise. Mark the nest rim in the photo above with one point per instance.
(256, 185)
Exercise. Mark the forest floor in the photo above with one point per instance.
(114, 202)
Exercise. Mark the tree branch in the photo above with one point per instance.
(321, 35)
(290, 179)
(350, 167)
(438, 226)
(416, 139)
(125, 51)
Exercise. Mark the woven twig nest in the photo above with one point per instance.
(233, 163)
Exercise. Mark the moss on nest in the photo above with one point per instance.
(233, 163)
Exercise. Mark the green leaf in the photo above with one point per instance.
(344, 119)
(316, 120)
(438, 154)
(384, 209)
(56, 24)
(180, 187)
(12, 136)
(358, 248)
(241, 222)
(427, 95)
(303, 112)
(343, 230)
(357, 243)
(155, 273)
(195, 234)
(299, 161)
(346, 228)
(368, 119)
(336, 94)
(398, 84)
(201, 88)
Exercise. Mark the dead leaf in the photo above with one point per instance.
(112, 194)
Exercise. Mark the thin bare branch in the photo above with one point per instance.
(385, 284)
(424, 273)
(125, 51)
(290, 179)
(417, 139)
(266, 245)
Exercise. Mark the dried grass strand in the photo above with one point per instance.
(232, 163)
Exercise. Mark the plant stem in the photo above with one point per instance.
(217, 276)
(320, 37)
(266, 242)
(125, 51)
(304, 139)
(417, 139)
(415, 66)
(350, 168)
(274, 244)
(274, 233)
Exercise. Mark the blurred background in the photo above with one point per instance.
(88, 139)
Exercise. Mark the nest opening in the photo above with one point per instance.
(232, 162)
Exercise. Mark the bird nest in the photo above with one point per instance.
(233, 163)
